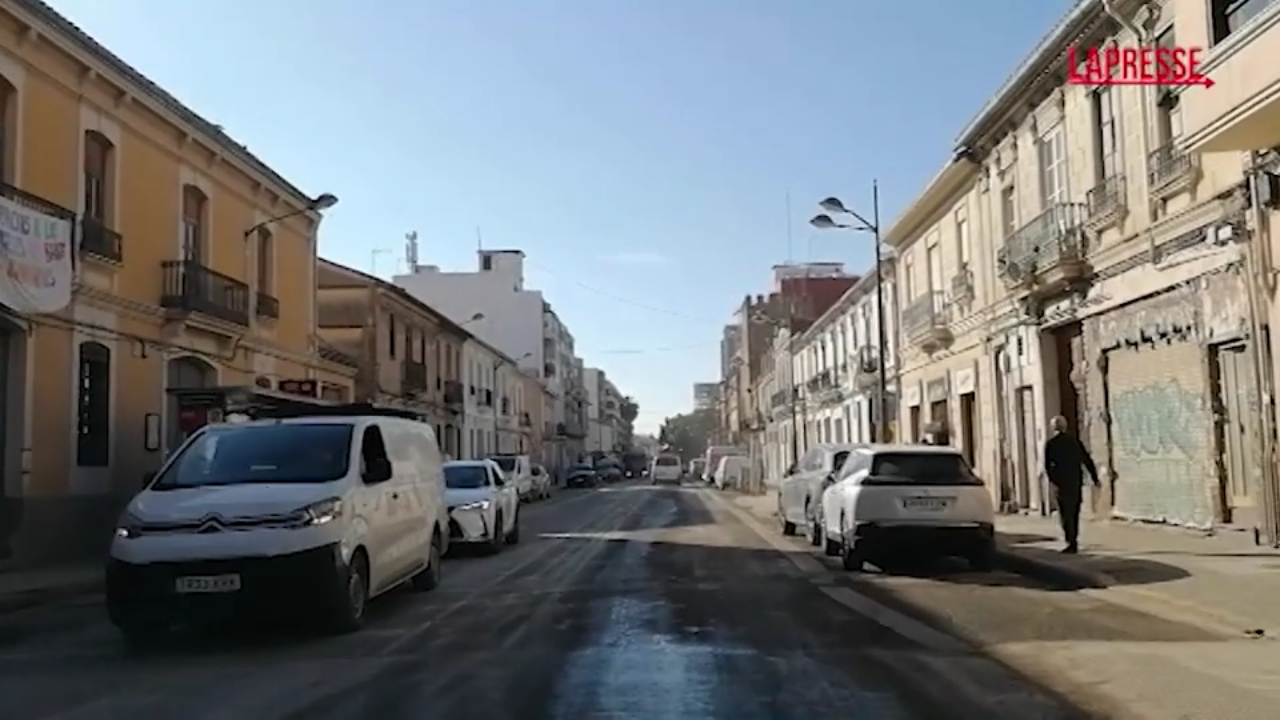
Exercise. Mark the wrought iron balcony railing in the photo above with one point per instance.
(1053, 237)
(192, 287)
(928, 311)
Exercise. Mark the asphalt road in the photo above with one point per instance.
(621, 602)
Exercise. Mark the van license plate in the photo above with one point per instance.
(926, 504)
(206, 584)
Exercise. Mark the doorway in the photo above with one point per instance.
(968, 438)
(915, 424)
(1235, 400)
(185, 372)
(1067, 351)
(939, 412)
(1025, 408)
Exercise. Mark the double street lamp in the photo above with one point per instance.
(857, 223)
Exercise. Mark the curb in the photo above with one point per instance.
(24, 599)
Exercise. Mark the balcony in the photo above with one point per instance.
(1047, 255)
(101, 242)
(1105, 203)
(1171, 170)
(962, 290)
(413, 376)
(866, 367)
(486, 398)
(526, 420)
(190, 287)
(925, 321)
(572, 429)
(1242, 109)
(266, 307)
(549, 369)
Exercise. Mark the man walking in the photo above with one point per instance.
(1065, 459)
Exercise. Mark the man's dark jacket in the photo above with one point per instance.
(1065, 461)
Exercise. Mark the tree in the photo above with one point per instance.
(629, 409)
(688, 434)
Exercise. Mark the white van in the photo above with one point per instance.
(518, 471)
(731, 472)
(308, 514)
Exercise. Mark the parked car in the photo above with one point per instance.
(800, 491)
(697, 468)
(517, 470)
(542, 482)
(667, 470)
(908, 500)
(315, 512)
(581, 475)
(711, 460)
(731, 472)
(484, 508)
(609, 470)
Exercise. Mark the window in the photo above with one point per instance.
(8, 129)
(909, 277)
(1168, 108)
(962, 236)
(97, 154)
(908, 468)
(391, 336)
(266, 260)
(93, 437)
(1106, 137)
(466, 477)
(486, 262)
(1009, 209)
(1228, 16)
(194, 215)
(933, 259)
(1053, 167)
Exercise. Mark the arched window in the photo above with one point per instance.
(195, 207)
(97, 177)
(8, 130)
(93, 438)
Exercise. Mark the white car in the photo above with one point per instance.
(896, 500)
(518, 471)
(484, 508)
(799, 493)
(666, 469)
(321, 513)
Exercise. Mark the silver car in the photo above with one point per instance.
(800, 492)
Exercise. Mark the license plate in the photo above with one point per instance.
(206, 584)
(922, 504)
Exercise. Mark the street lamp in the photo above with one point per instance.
(323, 201)
(824, 221)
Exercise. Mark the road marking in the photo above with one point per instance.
(879, 613)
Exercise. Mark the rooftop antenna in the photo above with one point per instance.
(411, 250)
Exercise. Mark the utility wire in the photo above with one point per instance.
(624, 301)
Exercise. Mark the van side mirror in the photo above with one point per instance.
(148, 477)
(377, 470)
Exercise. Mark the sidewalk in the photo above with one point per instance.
(1222, 580)
(20, 589)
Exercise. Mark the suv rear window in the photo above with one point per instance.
(908, 468)
(668, 460)
(506, 462)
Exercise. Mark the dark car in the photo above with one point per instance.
(609, 470)
(581, 475)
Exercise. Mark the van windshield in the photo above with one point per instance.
(243, 454)
(506, 462)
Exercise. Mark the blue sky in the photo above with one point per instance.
(639, 151)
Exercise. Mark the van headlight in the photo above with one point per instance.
(128, 527)
(320, 513)
(477, 505)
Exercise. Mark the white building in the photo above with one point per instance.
(835, 366)
(603, 412)
(493, 303)
(480, 365)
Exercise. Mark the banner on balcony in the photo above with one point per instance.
(35, 259)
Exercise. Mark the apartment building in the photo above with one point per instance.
(781, 409)
(154, 245)
(409, 355)
(705, 396)
(1084, 253)
(494, 304)
(836, 365)
(511, 413)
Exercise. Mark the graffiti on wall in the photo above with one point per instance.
(1160, 442)
(1158, 420)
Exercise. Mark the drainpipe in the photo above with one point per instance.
(1260, 281)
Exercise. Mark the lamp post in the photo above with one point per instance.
(824, 221)
(323, 201)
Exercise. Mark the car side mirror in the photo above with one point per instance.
(148, 477)
(377, 470)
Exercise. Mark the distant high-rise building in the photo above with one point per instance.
(705, 395)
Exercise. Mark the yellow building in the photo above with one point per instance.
(176, 278)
